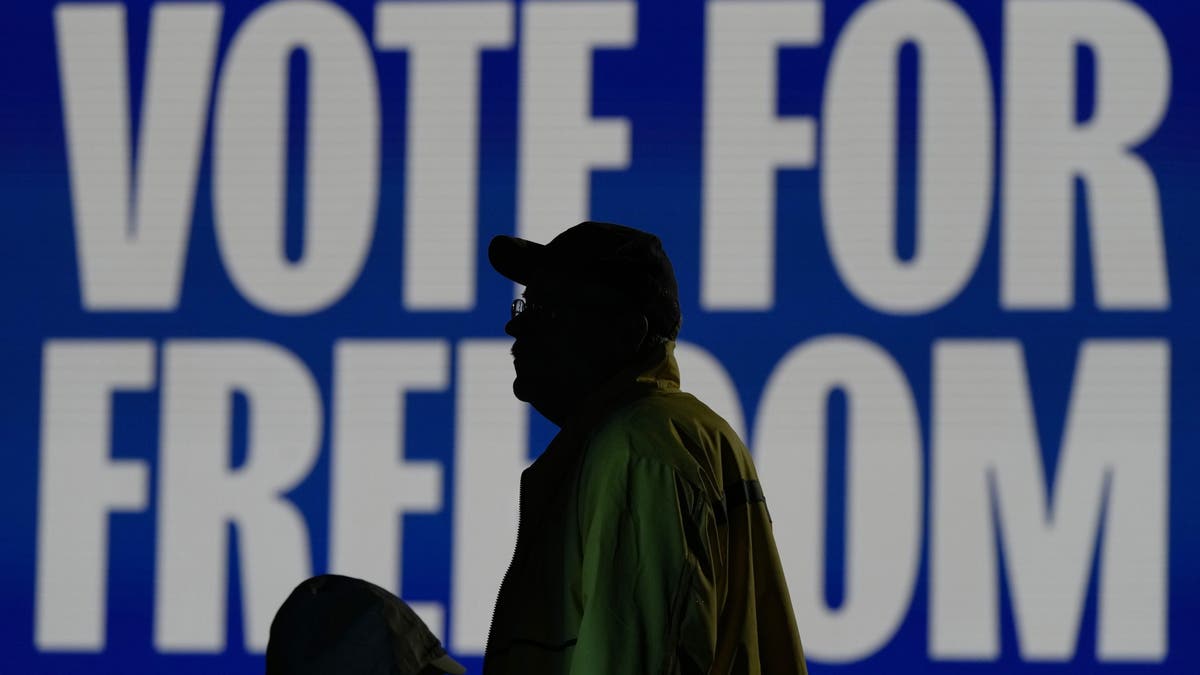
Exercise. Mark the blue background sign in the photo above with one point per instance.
(937, 260)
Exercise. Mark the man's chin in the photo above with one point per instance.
(519, 390)
(526, 390)
(537, 394)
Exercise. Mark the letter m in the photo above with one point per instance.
(1108, 501)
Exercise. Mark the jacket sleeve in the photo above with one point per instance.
(648, 600)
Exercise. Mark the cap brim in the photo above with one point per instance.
(517, 259)
(448, 665)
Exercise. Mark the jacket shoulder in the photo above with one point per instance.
(668, 427)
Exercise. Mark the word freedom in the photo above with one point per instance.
(983, 444)
(132, 225)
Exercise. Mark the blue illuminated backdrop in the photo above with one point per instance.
(937, 264)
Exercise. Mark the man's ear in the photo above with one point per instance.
(638, 329)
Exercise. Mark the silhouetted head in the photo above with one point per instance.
(337, 625)
(597, 297)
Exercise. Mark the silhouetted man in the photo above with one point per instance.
(644, 543)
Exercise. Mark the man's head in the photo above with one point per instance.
(338, 625)
(596, 297)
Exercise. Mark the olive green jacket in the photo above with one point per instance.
(644, 546)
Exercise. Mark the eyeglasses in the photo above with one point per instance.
(552, 312)
(521, 305)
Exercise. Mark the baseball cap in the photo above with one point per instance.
(627, 260)
(333, 624)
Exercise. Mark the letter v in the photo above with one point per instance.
(134, 263)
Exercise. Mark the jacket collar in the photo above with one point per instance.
(655, 370)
